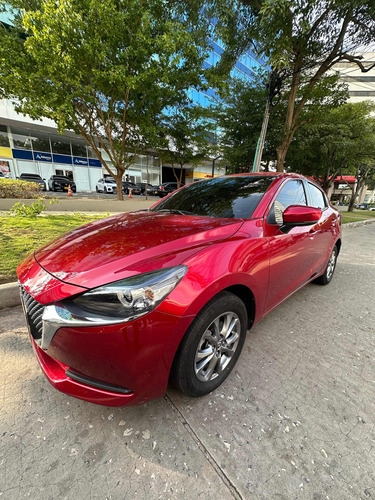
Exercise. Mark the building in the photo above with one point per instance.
(361, 87)
(34, 146)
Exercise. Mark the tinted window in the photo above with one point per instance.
(292, 193)
(30, 176)
(226, 197)
(60, 145)
(317, 197)
(4, 140)
(21, 138)
(41, 142)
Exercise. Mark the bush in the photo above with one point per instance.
(10, 188)
(22, 210)
(36, 208)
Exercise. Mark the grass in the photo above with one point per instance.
(19, 236)
(356, 216)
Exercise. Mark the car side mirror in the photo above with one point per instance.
(298, 215)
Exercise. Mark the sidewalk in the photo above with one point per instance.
(86, 205)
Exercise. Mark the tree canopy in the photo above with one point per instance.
(342, 142)
(241, 113)
(106, 70)
(303, 40)
(186, 136)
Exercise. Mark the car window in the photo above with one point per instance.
(292, 193)
(226, 197)
(317, 197)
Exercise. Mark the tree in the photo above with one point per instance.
(186, 138)
(103, 69)
(342, 141)
(364, 174)
(303, 40)
(241, 113)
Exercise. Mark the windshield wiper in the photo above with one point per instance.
(173, 211)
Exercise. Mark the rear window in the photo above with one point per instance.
(30, 176)
(317, 197)
(224, 197)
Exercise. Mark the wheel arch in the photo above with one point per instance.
(246, 295)
(338, 244)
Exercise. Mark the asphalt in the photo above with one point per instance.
(295, 420)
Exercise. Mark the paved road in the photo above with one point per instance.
(296, 419)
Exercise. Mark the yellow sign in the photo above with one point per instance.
(6, 153)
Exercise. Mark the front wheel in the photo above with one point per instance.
(211, 346)
(327, 276)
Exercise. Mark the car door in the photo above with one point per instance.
(325, 232)
(291, 250)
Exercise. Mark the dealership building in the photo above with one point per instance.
(34, 146)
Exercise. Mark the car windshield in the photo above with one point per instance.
(225, 197)
(110, 180)
(61, 178)
(30, 176)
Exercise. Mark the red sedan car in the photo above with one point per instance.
(118, 307)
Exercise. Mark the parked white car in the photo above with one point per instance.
(106, 185)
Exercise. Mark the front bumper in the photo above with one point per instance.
(114, 365)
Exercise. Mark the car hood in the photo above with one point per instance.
(114, 248)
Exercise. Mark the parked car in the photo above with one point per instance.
(151, 190)
(120, 306)
(61, 183)
(34, 178)
(128, 185)
(2, 174)
(166, 188)
(106, 185)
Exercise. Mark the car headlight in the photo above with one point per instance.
(111, 304)
(128, 298)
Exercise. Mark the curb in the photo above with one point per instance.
(10, 295)
(348, 225)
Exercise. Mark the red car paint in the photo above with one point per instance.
(250, 256)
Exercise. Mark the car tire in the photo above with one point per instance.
(105, 190)
(96, 189)
(327, 276)
(194, 370)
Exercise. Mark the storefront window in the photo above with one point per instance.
(79, 148)
(40, 142)
(91, 152)
(4, 140)
(60, 145)
(21, 138)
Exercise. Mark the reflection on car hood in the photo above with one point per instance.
(116, 247)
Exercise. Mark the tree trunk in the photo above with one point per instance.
(361, 180)
(118, 178)
(355, 192)
(281, 155)
(178, 178)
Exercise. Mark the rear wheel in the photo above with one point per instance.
(211, 346)
(327, 276)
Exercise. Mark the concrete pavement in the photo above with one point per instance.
(99, 204)
(295, 420)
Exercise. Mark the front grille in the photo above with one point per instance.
(34, 313)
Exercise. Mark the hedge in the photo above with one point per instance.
(10, 188)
